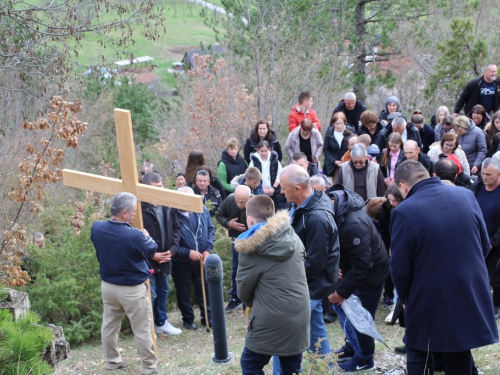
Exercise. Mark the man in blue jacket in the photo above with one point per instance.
(196, 243)
(439, 275)
(123, 252)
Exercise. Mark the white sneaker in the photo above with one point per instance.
(168, 329)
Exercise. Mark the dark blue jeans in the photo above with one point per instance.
(159, 293)
(234, 292)
(253, 363)
(365, 346)
(421, 363)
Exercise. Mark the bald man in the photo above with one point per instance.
(413, 152)
(232, 214)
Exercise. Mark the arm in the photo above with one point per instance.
(222, 213)
(314, 119)
(319, 145)
(319, 231)
(176, 234)
(246, 279)
(403, 249)
(380, 184)
(482, 150)
(292, 123)
(222, 175)
(247, 151)
(464, 97)
(289, 145)
(277, 148)
(280, 168)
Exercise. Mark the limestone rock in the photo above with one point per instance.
(58, 349)
(16, 302)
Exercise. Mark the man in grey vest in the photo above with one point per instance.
(361, 175)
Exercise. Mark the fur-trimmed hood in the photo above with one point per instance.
(271, 240)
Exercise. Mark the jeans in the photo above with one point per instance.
(363, 345)
(422, 363)
(317, 331)
(253, 363)
(159, 293)
(234, 292)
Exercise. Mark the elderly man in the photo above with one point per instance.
(361, 175)
(312, 218)
(484, 90)
(232, 215)
(197, 241)
(440, 295)
(207, 191)
(163, 227)
(413, 152)
(351, 108)
(405, 129)
(487, 192)
(123, 252)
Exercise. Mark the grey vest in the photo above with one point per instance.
(371, 178)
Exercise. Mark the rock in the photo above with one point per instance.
(16, 302)
(58, 349)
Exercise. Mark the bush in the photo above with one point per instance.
(21, 345)
(65, 289)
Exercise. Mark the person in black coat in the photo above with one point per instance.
(163, 227)
(484, 90)
(335, 145)
(261, 132)
(208, 192)
(351, 108)
(399, 125)
(230, 165)
(440, 276)
(364, 264)
(427, 135)
(371, 125)
(413, 152)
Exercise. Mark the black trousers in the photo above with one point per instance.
(184, 274)
(455, 363)
(491, 261)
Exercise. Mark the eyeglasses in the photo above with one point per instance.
(447, 145)
(358, 162)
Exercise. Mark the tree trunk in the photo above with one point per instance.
(360, 53)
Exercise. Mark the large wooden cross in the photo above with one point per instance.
(129, 182)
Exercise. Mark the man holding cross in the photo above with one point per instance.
(123, 252)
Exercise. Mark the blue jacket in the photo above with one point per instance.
(199, 237)
(122, 251)
(438, 246)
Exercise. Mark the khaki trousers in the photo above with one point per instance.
(121, 300)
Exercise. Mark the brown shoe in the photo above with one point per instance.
(116, 366)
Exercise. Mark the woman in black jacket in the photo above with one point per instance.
(335, 145)
(261, 132)
(231, 165)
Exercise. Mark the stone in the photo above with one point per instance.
(58, 349)
(16, 302)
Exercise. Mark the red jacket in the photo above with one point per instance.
(296, 116)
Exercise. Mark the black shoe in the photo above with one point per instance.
(344, 354)
(387, 302)
(191, 326)
(233, 305)
(329, 318)
(400, 349)
(204, 323)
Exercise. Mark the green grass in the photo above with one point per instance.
(185, 30)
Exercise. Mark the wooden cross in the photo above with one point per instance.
(129, 182)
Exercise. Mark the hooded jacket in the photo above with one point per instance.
(364, 261)
(473, 143)
(385, 112)
(251, 146)
(271, 277)
(315, 225)
(172, 233)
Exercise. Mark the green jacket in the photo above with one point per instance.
(271, 279)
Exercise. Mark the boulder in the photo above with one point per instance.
(16, 302)
(58, 349)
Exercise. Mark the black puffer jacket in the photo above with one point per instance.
(315, 226)
(470, 96)
(213, 195)
(172, 233)
(251, 146)
(363, 258)
(411, 133)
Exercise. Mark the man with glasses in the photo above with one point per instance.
(361, 175)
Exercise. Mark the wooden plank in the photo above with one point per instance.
(169, 198)
(92, 182)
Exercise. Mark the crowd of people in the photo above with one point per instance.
(371, 219)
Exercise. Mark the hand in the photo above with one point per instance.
(162, 257)
(340, 274)
(146, 233)
(338, 163)
(315, 160)
(205, 255)
(195, 256)
(336, 299)
(233, 224)
(474, 170)
(268, 190)
(388, 181)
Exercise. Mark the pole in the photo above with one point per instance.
(207, 321)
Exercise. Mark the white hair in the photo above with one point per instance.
(491, 161)
(317, 180)
(358, 150)
(296, 175)
(496, 156)
(350, 96)
(121, 202)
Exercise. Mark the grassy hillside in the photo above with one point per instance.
(185, 30)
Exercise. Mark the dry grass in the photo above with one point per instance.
(190, 353)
